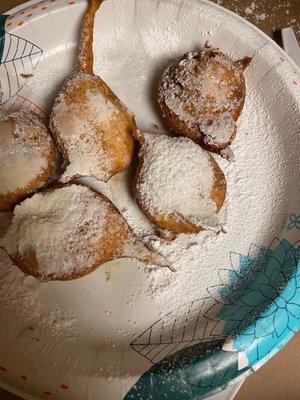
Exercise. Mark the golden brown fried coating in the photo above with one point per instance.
(178, 185)
(68, 232)
(201, 96)
(93, 128)
(27, 156)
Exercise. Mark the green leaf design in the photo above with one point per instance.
(191, 373)
(186, 326)
(254, 315)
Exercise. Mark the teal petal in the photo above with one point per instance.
(268, 291)
(289, 266)
(261, 279)
(270, 310)
(278, 249)
(266, 345)
(242, 342)
(289, 290)
(277, 279)
(250, 330)
(253, 298)
(264, 326)
(293, 323)
(296, 296)
(293, 309)
(253, 315)
(272, 264)
(280, 321)
(235, 313)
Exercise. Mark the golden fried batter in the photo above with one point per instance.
(27, 156)
(93, 128)
(178, 185)
(68, 232)
(201, 96)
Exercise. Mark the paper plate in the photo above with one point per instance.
(125, 331)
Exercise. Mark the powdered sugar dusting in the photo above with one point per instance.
(219, 130)
(22, 298)
(267, 15)
(81, 125)
(25, 145)
(176, 180)
(258, 178)
(202, 95)
(189, 89)
(62, 227)
(228, 154)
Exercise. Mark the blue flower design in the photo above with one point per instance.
(251, 319)
(291, 221)
(294, 221)
(263, 310)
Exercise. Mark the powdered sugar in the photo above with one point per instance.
(25, 302)
(66, 233)
(248, 10)
(62, 227)
(251, 11)
(80, 126)
(219, 131)
(197, 84)
(258, 178)
(228, 154)
(176, 180)
(25, 145)
(202, 95)
(261, 17)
